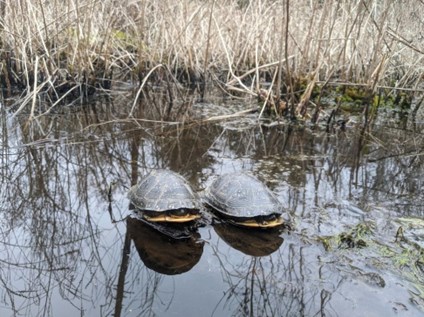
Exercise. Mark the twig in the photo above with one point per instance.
(233, 115)
(141, 88)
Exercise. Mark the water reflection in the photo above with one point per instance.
(291, 281)
(254, 242)
(164, 249)
(61, 254)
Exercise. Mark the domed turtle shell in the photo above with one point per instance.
(244, 199)
(164, 195)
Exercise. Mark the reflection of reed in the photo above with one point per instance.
(170, 251)
(55, 178)
(312, 169)
(252, 288)
(51, 195)
(120, 286)
(291, 282)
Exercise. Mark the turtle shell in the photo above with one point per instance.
(164, 195)
(245, 200)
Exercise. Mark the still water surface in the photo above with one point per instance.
(68, 247)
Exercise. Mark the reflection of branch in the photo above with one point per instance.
(122, 273)
(282, 284)
(10, 294)
(411, 153)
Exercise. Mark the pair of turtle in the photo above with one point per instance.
(165, 196)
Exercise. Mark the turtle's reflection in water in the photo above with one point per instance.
(254, 242)
(166, 249)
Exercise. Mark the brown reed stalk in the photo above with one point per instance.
(289, 80)
(206, 58)
(280, 58)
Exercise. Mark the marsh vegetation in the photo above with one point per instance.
(288, 55)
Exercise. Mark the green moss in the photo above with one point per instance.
(357, 93)
(354, 98)
(354, 238)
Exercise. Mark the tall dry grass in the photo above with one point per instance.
(57, 48)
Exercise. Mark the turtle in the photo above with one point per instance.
(165, 196)
(244, 200)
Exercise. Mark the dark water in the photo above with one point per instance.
(68, 247)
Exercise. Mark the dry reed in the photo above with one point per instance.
(52, 48)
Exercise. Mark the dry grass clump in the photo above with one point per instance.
(53, 49)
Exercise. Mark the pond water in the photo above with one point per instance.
(70, 247)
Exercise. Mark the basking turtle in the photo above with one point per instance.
(165, 196)
(244, 200)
